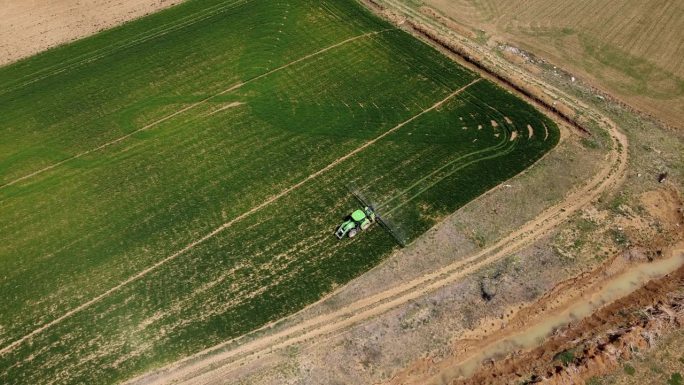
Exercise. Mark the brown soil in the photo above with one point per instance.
(665, 205)
(514, 135)
(518, 364)
(651, 366)
(625, 49)
(597, 342)
(613, 323)
(32, 26)
(225, 106)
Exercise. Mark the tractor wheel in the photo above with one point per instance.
(352, 233)
(365, 225)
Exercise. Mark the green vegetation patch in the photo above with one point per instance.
(565, 357)
(629, 369)
(183, 175)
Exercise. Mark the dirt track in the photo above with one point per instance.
(32, 26)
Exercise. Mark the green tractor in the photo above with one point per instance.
(357, 221)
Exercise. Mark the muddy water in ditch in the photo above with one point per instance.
(611, 290)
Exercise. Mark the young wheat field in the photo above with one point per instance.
(176, 182)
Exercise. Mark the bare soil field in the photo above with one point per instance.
(632, 49)
(31, 26)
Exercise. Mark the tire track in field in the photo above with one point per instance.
(226, 225)
(212, 365)
(190, 107)
(507, 143)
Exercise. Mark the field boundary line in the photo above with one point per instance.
(192, 106)
(228, 224)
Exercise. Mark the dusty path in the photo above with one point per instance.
(230, 223)
(185, 109)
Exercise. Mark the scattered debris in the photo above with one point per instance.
(488, 288)
(661, 177)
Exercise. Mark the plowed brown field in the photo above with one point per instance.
(632, 49)
(32, 26)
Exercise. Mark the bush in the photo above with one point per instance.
(565, 357)
(629, 369)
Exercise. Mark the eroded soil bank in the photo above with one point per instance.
(594, 345)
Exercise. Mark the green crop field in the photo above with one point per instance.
(176, 182)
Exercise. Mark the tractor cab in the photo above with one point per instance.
(355, 222)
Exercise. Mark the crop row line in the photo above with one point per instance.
(507, 149)
(502, 144)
